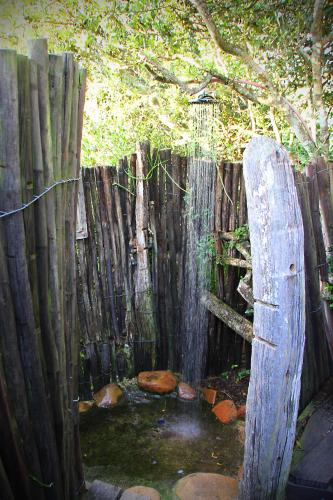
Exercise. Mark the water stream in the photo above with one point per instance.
(197, 266)
(199, 244)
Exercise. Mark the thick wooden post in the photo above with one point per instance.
(277, 247)
(145, 350)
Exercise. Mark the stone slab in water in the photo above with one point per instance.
(225, 411)
(159, 381)
(186, 392)
(103, 491)
(209, 395)
(85, 406)
(206, 486)
(140, 493)
(109, 395)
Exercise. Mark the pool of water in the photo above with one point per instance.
(154, 441)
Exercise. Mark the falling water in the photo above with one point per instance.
(203, 125)
(200, 243)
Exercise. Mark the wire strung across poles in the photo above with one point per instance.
(37, 197)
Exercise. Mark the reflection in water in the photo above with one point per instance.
(186, 428)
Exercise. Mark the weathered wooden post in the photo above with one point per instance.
(277, 247)
(145, 347)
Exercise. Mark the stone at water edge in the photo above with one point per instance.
(140, 493)
(186, 392)
(103, 491)
(225, 411)
(159, 381)
(206, 486)
(209, 395)
(241, 412)
(109, 395)
(85, 406)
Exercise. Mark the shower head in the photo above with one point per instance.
(203, 98)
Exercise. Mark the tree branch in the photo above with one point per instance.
(163, 75)
(233, 261)
(274, 125)
(328, 39)
(317, 63)
(277, 100)
(231, 318)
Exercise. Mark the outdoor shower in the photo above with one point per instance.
(200, 226)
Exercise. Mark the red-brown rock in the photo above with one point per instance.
(225, 411)
(85, 406)
(241, 412)
(160, 381)
(206, 486)
(209, 395)
(186, 392)
(109, 395)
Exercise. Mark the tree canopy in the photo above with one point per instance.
(268, 63)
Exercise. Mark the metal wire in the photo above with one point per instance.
(37, 197)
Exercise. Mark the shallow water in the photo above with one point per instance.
(155, 441)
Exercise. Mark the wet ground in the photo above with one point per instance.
(154, 441)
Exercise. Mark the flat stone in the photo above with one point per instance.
(140, 493)
(85, 406)
(206, 486)
(159, 381)
(109, 395)
(103, 491)
(209, 395)
(186, 392)
(225, 411)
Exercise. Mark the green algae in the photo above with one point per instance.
(157, 441)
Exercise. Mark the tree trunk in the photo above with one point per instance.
(277, 243)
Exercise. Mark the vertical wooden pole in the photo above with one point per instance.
(316, 364)
(145, 355)
(77, 473)
(277, 244)
(38, 53)
(30, 349)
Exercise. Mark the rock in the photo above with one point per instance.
(103, 491)
(160, 381)
(85, 406)
(206, 486)
(225, 411)
(209, 395)
(241, 412)
(186, 392)
(107, 396)
(140, 493)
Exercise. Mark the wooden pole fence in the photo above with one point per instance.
(38, 347)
